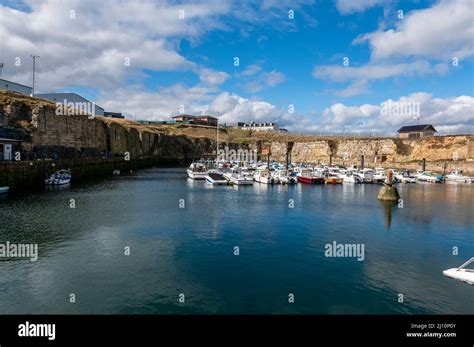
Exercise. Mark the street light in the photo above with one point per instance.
(34, 68)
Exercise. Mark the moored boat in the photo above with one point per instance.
(307, 176)
(58, 178)
(349, 177)
(284, 177)
(333, 180)
(461, 273)
(215, 178)
(197, 171)
(406, 177)
(457, 176)
(264, 176)
(4, 190)
(428, 176)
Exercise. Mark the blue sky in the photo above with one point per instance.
(189, 62)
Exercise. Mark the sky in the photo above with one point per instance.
(312, 66)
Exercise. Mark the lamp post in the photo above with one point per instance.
(34, 68)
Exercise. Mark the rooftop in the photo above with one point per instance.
(415, 128)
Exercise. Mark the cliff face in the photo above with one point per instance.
(62, 135)
(41, 130)
(444, 148)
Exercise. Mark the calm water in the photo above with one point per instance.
(191, 250)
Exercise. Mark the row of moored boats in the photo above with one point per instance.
(222, 173)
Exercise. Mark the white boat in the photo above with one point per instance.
(349, 177)
(239, 180)
(4, 190)
(457, 176)
(244, 171)
(197, 171)
(263, 176)
(58, 178)
(406, 177)
(461, 273)
(215, 178)
(365, 176)
(380, 175)
(239, 176)
(428, 176)
(284, 177)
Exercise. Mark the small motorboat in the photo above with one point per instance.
(239, 176)
(59, 178)
(307, 176)
(197, 171)
(349, 177)
(428, 176)
(461, 273)
(284, 177)
(406, 177)
(4, 190)
(333, 180)
(264, 176)
(457, 176)
(380, 175)
(215, 178)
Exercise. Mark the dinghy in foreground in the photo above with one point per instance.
(4, 190)
(461, 273)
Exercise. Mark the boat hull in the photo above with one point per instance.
(460, 275)
(196, 175)
(57, 182)
(4, 190)
(310, 180)
(215, 179)
(333, 180)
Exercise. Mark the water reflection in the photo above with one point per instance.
(388, 206)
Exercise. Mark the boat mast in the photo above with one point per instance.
(217, 139)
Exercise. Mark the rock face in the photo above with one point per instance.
(455, 151)
(59, 136)
(388, 193)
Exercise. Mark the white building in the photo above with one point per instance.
(259, 126)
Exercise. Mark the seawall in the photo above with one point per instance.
(25, 176)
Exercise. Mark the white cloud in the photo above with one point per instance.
(251, 70)
(371, 71)
(456, 113)
(264, 80)
(423, 43)
(351, 6)
(212, 77)
(101, 45)
(443, 31)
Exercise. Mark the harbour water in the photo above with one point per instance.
(280, 231)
